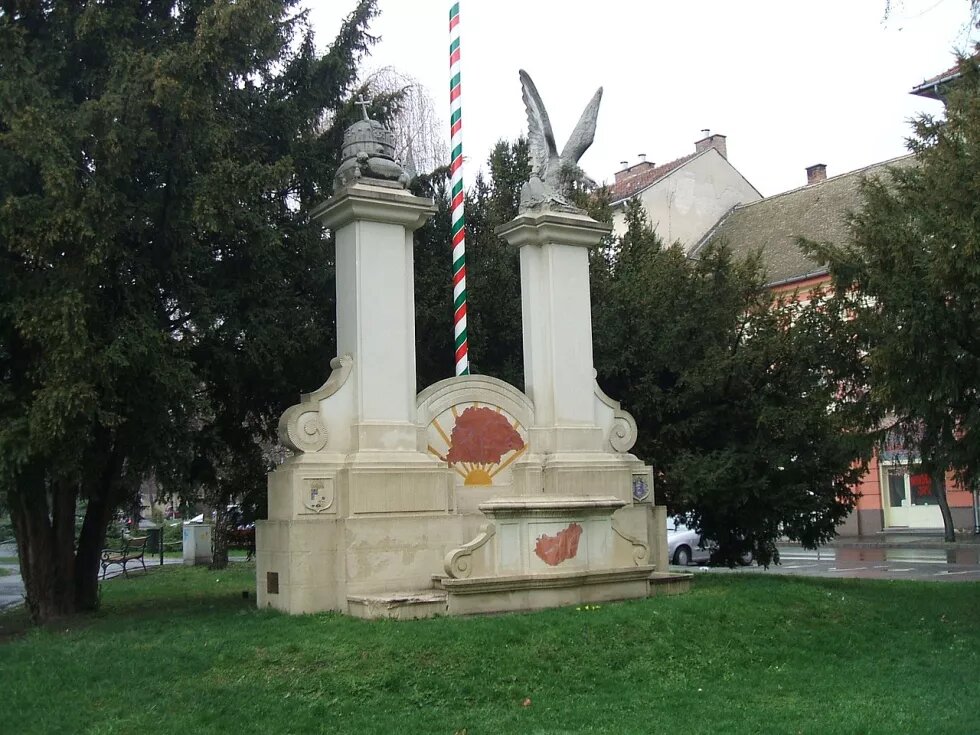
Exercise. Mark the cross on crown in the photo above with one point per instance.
(364, 105)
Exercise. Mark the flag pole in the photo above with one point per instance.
(457, 217)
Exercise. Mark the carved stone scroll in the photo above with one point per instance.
(622, 433)
(458, 562)
(300, 427)
(640, 550)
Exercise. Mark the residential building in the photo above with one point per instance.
(686, 197)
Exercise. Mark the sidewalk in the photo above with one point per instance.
(911, 539)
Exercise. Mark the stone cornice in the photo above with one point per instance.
(560, 228)
(550, 505)
(375, 204)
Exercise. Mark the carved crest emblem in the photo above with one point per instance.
(641, 490)
(320, 496)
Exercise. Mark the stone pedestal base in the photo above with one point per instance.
(536, 592)
(305, 566)
(547, 535)
(299, 565)
(371, 521)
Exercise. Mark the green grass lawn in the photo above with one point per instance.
(9, 560)
(6, 572)
(179, 650)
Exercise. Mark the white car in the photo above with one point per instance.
(685, 545)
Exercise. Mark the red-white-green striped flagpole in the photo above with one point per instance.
(457, 217)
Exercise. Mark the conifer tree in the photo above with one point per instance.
(737, 394)
(492, 273)
(162, 292)
(911, 279)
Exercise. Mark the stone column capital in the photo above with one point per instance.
(547, 227)
(361, 201)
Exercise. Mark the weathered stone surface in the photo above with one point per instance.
(523, 499)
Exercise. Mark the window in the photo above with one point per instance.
(905, 490)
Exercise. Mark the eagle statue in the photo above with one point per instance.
(552, 175)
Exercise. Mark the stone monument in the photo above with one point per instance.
(471, 496)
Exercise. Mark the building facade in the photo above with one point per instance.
(685, 197)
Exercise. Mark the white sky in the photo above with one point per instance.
(790, 82)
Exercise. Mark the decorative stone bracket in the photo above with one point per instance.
(458, 561)
(301, 427)
(622, 431)
(641, 552)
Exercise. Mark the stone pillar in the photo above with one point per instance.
(557, 320)
(376, 307)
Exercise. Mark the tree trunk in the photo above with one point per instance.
(219, 538)
(939, 490)
(45, 538)
(91, 541)
(58, 579)
(104, 496)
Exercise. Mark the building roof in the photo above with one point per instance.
(932, 87)
(817, 212)
(632, 185)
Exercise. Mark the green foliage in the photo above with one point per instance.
(737, 394)
(173, 533)
(162, 294)
(492, 273)
(739, 654)
(493, 269)
(911, 278)
(434, 347)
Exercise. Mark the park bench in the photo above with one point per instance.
(132, 550)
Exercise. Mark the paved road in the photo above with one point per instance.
(937, 565)
(11, 587)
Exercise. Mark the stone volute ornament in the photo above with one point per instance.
(552, 175)
(301, 427)
(369, 153)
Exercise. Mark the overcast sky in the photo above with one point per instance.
(790, 82)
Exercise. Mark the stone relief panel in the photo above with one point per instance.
(478, 426)
(553, 550)
(478, 441)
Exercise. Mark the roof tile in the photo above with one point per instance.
(817, 212)
(638, 182)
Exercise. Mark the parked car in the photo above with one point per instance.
(685, 545)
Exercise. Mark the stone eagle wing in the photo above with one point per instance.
(540, 138)
(584, 132)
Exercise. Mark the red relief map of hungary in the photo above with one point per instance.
(553, 550)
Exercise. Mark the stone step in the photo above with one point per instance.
(398, 605)
(670, 583)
